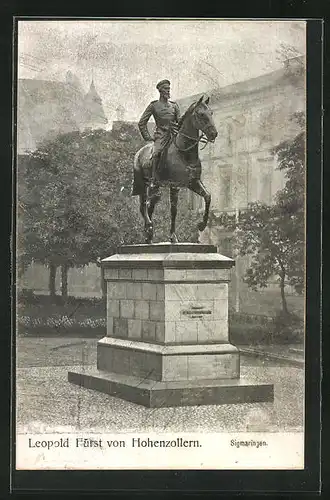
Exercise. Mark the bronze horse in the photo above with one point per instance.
(181, 167)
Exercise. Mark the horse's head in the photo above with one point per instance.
(202, 118)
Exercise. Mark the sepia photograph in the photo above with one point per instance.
(160, 244)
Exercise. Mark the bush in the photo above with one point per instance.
(26, 296)
(248, 329)
(288, 328)
(42, 316)
(249, 335)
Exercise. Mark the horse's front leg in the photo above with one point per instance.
(174, 195)
(198, 187)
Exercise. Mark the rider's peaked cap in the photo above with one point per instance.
(161, 83)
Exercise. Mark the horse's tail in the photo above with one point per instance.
(138, 185)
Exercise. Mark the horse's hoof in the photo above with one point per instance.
(148, 238)
(201, 226)
(174, 238)
(149, 233)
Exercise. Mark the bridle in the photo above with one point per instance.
(201, 139)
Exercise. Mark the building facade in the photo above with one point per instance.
(252, 117)
(46, 109)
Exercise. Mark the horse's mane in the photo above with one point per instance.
(186, 113)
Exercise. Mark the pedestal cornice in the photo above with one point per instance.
(167, 255)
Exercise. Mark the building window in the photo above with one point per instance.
(241, 183)
(225, 189)
(265, 180)
(266, 187)
(226, 247)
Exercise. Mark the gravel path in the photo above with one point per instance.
(47, 402)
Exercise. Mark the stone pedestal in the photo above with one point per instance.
(167, 330)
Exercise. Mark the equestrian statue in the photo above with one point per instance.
(170, 158)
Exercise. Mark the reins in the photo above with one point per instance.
(201, 139)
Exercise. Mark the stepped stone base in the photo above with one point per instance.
(167, 341)
(156, 394)
(168, 363)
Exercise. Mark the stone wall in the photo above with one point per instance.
(82, 282)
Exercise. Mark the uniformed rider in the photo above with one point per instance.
(166, 114)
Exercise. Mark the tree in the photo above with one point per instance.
(23, 253)
(291, 199)
(78, 205)
(74, 202)
(274, 236)
(269, 235)
(287, 51)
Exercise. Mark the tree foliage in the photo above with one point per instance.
(75, 199)
(76, 204)
(274, 236)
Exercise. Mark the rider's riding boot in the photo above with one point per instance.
(154, 163)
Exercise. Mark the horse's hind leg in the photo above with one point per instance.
(174, 195)
(198, 187)
(154, 197)
(142, 202)
(148, 202)
(144, 209)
